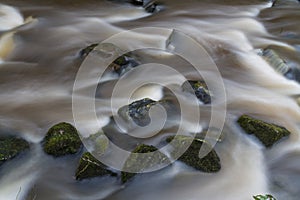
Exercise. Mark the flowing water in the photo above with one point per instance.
(39, 54)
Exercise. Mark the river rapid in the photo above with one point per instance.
(40, 44)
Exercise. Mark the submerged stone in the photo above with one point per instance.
(10, 147)
(280, 65)
(199, 88)
(90, 167)
(267, 133)
(210, 163)
(62, 139)
(97, 142)
(264, 197)
(151, 7)
(120, 65)
(139, 161)
(85, 52)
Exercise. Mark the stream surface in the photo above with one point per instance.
(40, 44)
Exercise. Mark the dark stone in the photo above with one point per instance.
(62, 139)
(139, 162)
(123, 64)
(209, 163)
(264, 197)
(283, 67)
(137, 2)
(199, 88)
(138, 111)
(151, 7)
(85, 52)
(267, 133)
(10, 147)
(90, 167)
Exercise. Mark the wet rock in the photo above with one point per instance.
(151, 7)
(62, 139)
(209, 163)
(138, 162)
(285, 3)
(138, 111)
(123, 64)
(280, 65)
(264, 197)
(137, 2)
(85, 52)
(98, 142)
(267, 133)
(10, 147)
(199, 88)
(90, 167)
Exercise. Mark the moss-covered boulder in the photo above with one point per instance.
(62, 139)
(139, 161)
(199, 88)
(90, 167)
(264, 197)
(209, 163)
(267, 133)
(10, 147)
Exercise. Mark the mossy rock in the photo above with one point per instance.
(10, 147)
(199, 88)
(138, 162)
(98, 142)
(267, 133)
(209, 163)
(264, 197)
(62, 139)
(90, 167)
(85, 52)
(123, 64)
(138, 111)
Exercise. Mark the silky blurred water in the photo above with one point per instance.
(39, 58)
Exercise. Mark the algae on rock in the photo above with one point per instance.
(267, 133)
(264, 197)
(139, 161)
(62, 139)
(199, 88)
(209, 163)
(90, 167)
(10, 147)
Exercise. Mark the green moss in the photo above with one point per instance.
(138, 162)
(90, 167)
(62, 139)
(210, 163)
(99, 143)
(264, 197)
(10, 147)
(199, 88)
(123, 64)
(267, 133)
